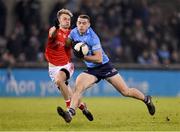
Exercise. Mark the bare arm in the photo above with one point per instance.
(68, 42)
(96, 57)
(52, 32)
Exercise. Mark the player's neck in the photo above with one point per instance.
(82, 33)
(64, 29)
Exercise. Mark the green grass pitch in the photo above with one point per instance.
(110, 114)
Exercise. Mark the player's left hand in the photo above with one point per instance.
(52, 31)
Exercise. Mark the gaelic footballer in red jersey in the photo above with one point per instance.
(58, 56)
(56, 52)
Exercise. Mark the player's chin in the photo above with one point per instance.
(81, 30)
(66, 26)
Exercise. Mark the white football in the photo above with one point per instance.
(85, 48)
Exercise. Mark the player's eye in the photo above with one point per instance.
(84, 23)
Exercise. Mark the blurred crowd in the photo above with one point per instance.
(131, 31)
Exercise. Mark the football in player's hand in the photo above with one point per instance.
(80, 49)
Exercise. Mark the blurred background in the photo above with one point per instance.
(136, 34)
(131, 31)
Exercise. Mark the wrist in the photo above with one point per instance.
(85, 57)
(54, 28)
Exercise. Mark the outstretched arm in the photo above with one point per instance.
(52, 32)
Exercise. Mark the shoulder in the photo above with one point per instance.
(73, 33)
(94, 37)
(69, 30)
(93, 34)
(74, 30)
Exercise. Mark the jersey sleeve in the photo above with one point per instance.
(71, 35)
(96, 44)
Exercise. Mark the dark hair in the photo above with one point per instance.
(84, 17)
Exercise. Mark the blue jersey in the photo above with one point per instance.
(93, 42)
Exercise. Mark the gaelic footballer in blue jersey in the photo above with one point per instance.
(98, 67)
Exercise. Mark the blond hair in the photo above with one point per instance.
(64, 11)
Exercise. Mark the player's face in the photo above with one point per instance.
(82, 25)
(65, 21)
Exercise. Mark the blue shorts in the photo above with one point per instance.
(102, 72)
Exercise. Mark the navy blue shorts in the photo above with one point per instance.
(102, 72)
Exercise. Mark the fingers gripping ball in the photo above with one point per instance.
(81, 49)
(82, 46)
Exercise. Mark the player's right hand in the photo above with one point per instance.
(52, 31)
(79, 54)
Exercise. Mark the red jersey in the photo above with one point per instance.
(56, 53)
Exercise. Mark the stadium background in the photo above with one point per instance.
(140, 31)
(138, 35)
(141, 37)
